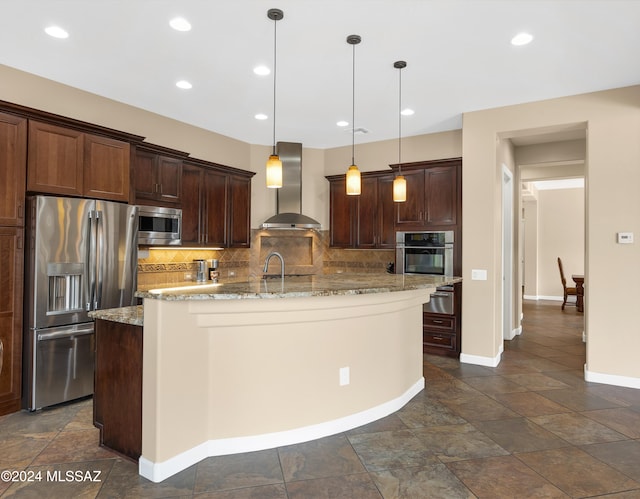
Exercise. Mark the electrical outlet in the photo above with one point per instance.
(344, 376)
(232, 273)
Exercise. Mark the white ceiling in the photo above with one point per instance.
(458, 53)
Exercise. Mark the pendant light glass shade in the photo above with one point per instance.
(399, 189)
(274, 165)
(353, 174)
(274, 171)
(353, 181)
(399, 183)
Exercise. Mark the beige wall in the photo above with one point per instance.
(612, 119)
(561, 234)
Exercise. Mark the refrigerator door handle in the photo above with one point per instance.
(91, 260)
(52, 335)
(100, 255)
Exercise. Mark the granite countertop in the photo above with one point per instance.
(126, 315)
(296, 286)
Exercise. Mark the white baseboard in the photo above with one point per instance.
(480, 360)
(157, 472)
(571, 300)
(611, 379)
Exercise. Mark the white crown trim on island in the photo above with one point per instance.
(157, 472)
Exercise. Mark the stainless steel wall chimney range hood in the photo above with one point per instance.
(289, 196)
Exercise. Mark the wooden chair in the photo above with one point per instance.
(568, 291)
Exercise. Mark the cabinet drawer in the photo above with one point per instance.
(439, 322)
(441, 340)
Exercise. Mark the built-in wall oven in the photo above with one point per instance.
(428, 252)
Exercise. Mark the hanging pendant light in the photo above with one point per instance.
(353, 174)
(399, 183)
(274, 165)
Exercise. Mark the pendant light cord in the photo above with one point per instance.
(353, 106)
(400, 120)
(275, 60)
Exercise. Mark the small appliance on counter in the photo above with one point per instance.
(201, 275)
(213, 270)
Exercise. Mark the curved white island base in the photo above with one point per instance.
(230, 376)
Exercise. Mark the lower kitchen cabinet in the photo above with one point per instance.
(117, 398)
(441, 333)
(11, 276)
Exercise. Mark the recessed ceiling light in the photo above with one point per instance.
(184, 84)
(342, 123)
(261, 70)
(407, 112)
(261, 116)
(56, 32)
(180, 24)
(521, 39)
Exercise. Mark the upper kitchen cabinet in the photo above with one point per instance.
(68, 161)
(13, 158)
(157, 175)
(341, 213)
(365, 221)
(11, 270)
(433, 194)
(216, 205)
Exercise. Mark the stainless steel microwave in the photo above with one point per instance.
(159, 226)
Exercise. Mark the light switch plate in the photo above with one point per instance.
(478, 275)
(625, 237)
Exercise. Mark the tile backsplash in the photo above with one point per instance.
(304, 252)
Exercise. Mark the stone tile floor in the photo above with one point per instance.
(531, 427)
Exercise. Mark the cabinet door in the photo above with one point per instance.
(169, 177)
(144, 175)
(240, 212)
(215, 213)
(386, 213)
(411, 212)
(13, 169)
(11, 275)
(366, 220)
(56, 160)
(441, 198)
(106, 171)
(192, 202)
(340, 215)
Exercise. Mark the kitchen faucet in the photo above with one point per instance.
(266, 262)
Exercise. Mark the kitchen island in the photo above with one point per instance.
(244, 366)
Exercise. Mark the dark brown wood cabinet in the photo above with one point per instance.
(365, 221)
(117, 398)
(433, 195)
(441, 333)
(13, 171)
(216, 205)
(11, 278)
(13, 165)
(157, 175)
(70, 162)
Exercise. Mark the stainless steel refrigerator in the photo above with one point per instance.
(81, 256)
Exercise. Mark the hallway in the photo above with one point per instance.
(531, 427)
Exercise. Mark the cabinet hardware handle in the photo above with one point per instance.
(20, 210)
(1, 355)
(437, 322)
(437, 337)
